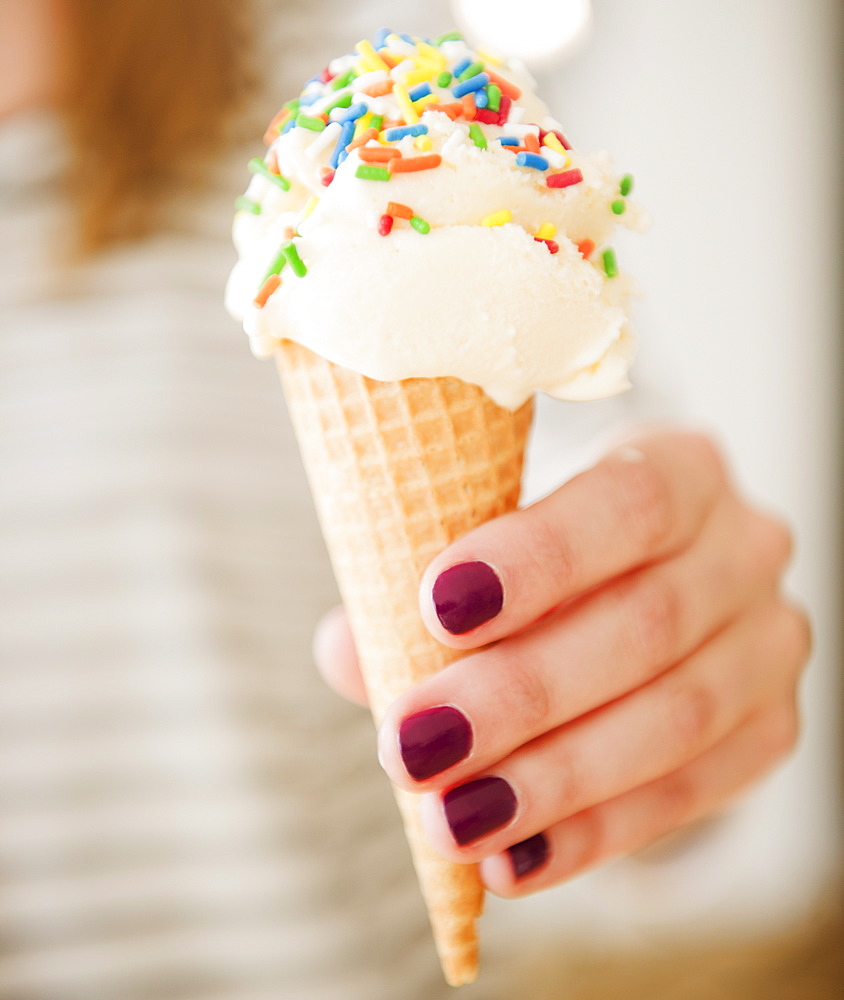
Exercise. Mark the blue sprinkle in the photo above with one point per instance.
(381, 38)
(509, 140)
(463, 64)
(422, 90)
(347, 132)
(310, 99)
(343, 156)
(315, 79)
(353, 113)
(407, 39)
(481, 99)
(532, 160)
(468, 86)
(288, 126)
(399, 133)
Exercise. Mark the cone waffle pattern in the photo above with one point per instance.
(399, 470)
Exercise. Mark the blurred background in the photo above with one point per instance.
(185, 811)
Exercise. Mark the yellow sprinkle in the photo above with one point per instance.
(488, 56)
(497, 218)
(362, 123)
(309, 207)
(552, 142)
(433, 55)
(423, 102)
(405, 104)
(415, 76)
(547, 231)
(370, 57)
(423, 143)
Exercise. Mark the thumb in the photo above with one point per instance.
(336, 658)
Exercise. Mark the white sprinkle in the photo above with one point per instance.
(323, 140)
(368, 79)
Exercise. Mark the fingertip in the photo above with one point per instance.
(458, 597)
(335, 656)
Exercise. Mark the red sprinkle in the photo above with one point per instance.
(326, 75)
(327, 176)
(486, 116)
(552, 245)
(565, 179)
(268, 287)
(504, 109)
(385, 225)
(586, 248)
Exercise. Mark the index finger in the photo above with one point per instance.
(642, 502)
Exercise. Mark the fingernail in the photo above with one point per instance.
(432, 740)
(478, 807)
(529, 855)
(467, 595)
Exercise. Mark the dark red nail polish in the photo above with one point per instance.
(467, 595)
(478, 807)
(529, 855)
(433, 740)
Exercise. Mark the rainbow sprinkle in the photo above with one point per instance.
(415, 77)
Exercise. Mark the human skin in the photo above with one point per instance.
(644, 667)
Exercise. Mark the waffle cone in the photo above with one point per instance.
(399, 470)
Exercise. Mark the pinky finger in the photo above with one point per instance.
(632, 821)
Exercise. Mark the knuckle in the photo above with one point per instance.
(678, 798)
(527, 694)
(694, 712)
(773, 543)
(552, 547)
(655, 613)
(642, 500)
(793, 635)
(592, 841)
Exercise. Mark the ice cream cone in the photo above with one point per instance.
(399, 470)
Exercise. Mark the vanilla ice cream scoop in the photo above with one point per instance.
(420, 214)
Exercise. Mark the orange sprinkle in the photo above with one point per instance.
(391, 60)
(409, 164)
(364, 137)
(378, 154)
(272, 162)
(268, 287)
(399, 211)
(467, 102)
(379, 89)
(508, 89)
(453, 111)
(274, 128)
(531, 143)
(586, 248)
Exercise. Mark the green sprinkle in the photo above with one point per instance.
(343, 80)
(306, 121)
(470, 71)
(610, 263)
(626, 185)
(420, 225)
(618, 206)
(293, 105)
(244, 204)
(276, 267)
(449, 36)
(370, 173)
(257, 166)
(343, 101)
(291, 254)
(376, 121)
(476, 134)
(494, 102)
(444, 79)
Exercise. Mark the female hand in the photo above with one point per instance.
(643, 667)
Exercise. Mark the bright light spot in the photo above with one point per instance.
(538, 32)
